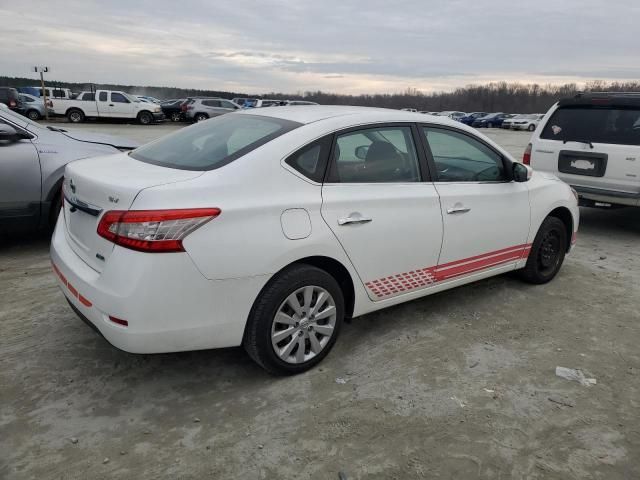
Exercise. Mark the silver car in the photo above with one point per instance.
(198, 109)
(32, 162)
(32, 107)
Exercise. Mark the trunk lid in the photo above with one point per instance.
(97, 185)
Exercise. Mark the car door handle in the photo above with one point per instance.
(354, 218)
(460, 209)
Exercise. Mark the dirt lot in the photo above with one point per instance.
(458, 385)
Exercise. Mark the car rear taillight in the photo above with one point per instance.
(526, 158)
(12, 103)
(153, 230)
(183, 108)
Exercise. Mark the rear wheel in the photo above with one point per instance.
(201, 117)
(145, 118)
(75, 116)
(33, 115)
(547, 252)
(531, 127)
(295, 321)
(176, 116)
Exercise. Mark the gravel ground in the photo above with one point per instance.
(458, 385)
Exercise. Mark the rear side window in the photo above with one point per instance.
(214, 143)
(311, 160)
(211, 103)
(594, 124)
(88, 97)
(103, 96)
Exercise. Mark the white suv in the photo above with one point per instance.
(592, 142)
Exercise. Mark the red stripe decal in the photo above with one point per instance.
(71, 288)
(420, 278)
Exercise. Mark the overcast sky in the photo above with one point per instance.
(345, 46)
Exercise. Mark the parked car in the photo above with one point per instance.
(147, 98)
(454, 115)
(409, 110)
(471, 117)
(11, 98)
(527, 122)
(491, 120)
(246, 229)
(32, 161)
(173, 109)
(592, 142)
(299, 102)
(107, 104)
(199, 109)
(33, 107)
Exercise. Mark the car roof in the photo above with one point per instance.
(605, 99)
(313, 113)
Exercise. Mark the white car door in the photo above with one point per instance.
(385, 215)
(120, 106)
(486, 215)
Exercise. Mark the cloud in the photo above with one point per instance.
(349, 47)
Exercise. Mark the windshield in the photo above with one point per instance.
(20, 120)
(594, 124)
(131, 97)
(213, 143)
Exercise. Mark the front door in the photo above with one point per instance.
(20, 181)
(120, 106)
(485, 215)
(383, 212)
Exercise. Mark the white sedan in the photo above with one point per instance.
(267, 227)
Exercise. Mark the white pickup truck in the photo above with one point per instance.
(106, 104)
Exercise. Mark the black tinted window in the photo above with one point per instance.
(311, 160)
(211, 103)
(103, 96)
(118, 98)
(594, 124)
(89, 96)
(461, 158)
(214, 143)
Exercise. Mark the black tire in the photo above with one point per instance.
(145, 118)
(200, 117)
(33, 115)
(176, 116)
(75, 116)
(531, 127)
(489, 125)
(257, 337)
(56, 206)
(547, 252)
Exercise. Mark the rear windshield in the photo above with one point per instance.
(213, 143)
(594, 124)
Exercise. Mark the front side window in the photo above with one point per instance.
(461, 158)
(594, 124)
(229, 105)
(214, 143)
(375, 155)
(118, 98)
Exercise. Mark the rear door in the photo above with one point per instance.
(378, 201)
(592, 146)
(486, 216)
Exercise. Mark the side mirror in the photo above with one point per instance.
(521, 172)
(361, 151)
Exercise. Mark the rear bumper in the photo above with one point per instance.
(608, 196)
(168, 304)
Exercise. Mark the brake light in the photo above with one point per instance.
(153, 230)
(526, 158)
(12, 103)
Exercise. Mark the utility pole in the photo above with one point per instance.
(42, 70)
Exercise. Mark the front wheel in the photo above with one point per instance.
(531, 127)
(145, 118)
(295, 321)
(547, 252)
(176, 116)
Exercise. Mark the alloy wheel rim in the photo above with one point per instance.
(303, 324)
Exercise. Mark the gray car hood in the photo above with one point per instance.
(90, 137)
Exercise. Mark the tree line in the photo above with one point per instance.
(491, 97)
